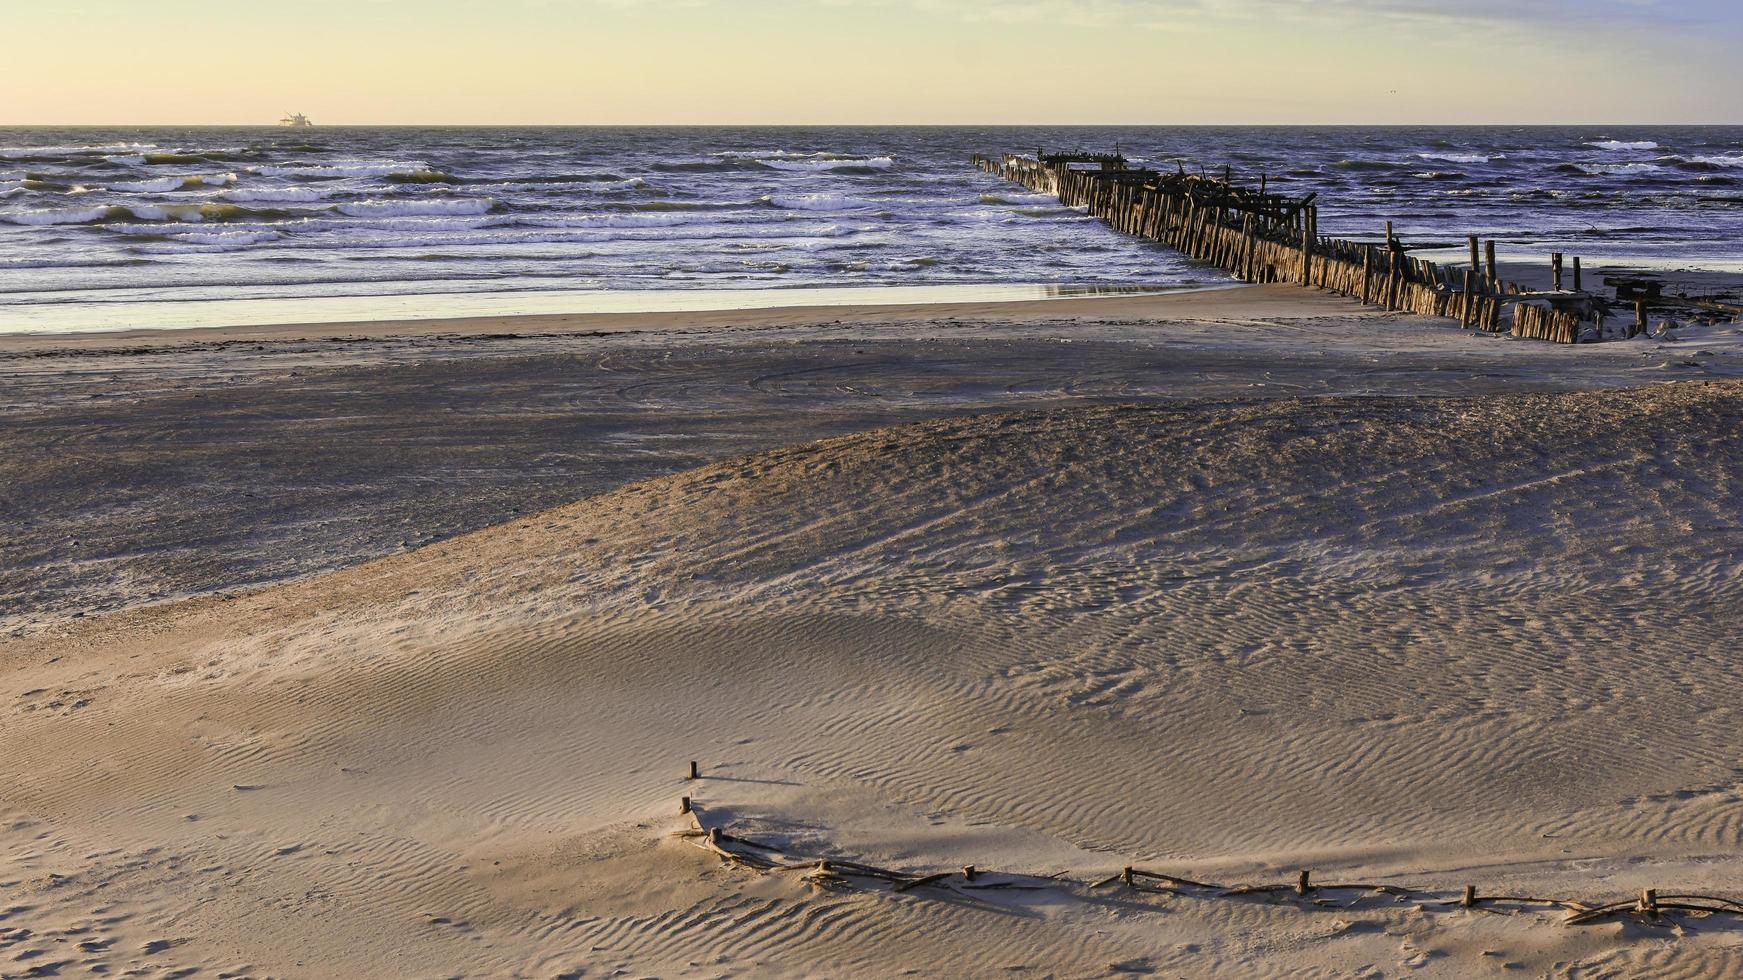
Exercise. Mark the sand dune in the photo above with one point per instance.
(1412, 640)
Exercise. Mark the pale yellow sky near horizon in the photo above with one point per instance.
(91, 62)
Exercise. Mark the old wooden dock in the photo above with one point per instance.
(1262, 237)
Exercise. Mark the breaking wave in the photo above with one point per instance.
(180, 182)
(362, 209)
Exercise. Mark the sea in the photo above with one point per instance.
(110, 228)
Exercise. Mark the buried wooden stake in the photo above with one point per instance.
(683, 805)
(1126, 877)
(1649, 902)
(1555, 269)
(694, 772)
(968, 871)
(1579, 283)
(1470, 899)
(1302, 886)
(1639, 318)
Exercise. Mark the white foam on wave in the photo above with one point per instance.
(1722, 160)
(234, 239)
(1625, 144)
(278, 194)
(57, 216)
(343, 168)
(830, 163)
(364, 209)
(428, 223)
(174, 182)
(656, 219)
(1600, 169)
(787, 155)
(1462, 157)
(818, 202)
(51, 152)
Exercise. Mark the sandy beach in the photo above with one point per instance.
(384, 649)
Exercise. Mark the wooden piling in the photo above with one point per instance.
(683, 805)
(695, 772)
(1302, 885)
(1263, 237)
(1555, 269)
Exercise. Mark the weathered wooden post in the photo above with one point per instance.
(1307, 247)
(695, 773)
(1494, 271)
(1639, 318)
(1470, 899)
(1475, 263)
(1302, 885)
(1555, 269)
(1468, 315)
(1367, 274)
(1579, 284)
(683, 805)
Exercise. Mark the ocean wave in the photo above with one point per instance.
(364, 209)
(1608, 169)
(59, 216)
(280, 194)
(337, 169)
(211, 241)
(173, 183)
(104, 213)
(65, 263)
(770, 236)
(788, 155)
(1721, 160)
(1374, 165)
(818, 202)
(831, 163)
(70, 152)
(423, 177)
(197, 156)
(548, 185)
(1625, 144)
(1024, 199)
(652, 219)
(1462, 157)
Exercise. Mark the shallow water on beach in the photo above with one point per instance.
(97, 225)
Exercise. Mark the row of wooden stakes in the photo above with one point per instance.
(1650, 905)
(1265, 238)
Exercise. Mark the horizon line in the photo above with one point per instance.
(865, 125)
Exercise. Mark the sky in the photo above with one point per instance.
(871, 61)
